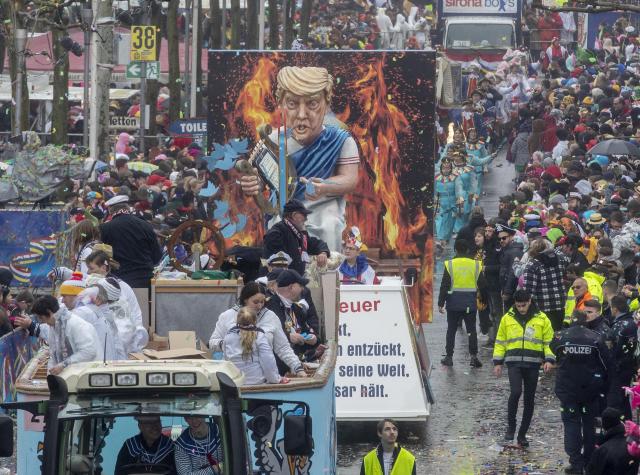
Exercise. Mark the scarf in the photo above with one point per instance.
(354, 272)
(302, 240)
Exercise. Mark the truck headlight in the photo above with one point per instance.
(100, 380)
(127, 379)
(158, 379)
(184, 379)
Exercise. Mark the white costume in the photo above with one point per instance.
(385, 26)
(110, 346)
(71, 339)
(400, 30)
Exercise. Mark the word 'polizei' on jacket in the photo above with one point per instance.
(583, 364)
(524, 340)
(464, 274)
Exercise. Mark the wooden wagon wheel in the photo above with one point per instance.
(204, 235)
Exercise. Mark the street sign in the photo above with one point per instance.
(193, 126)
(134, 69)
(124, 123)
(143, 43)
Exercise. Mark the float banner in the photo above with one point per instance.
(385, 101)
(480, 7)
(16, 349)
(27, 244)
(377, 371)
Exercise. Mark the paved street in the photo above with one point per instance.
(469, 416)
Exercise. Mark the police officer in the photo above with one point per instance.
(622, 341)
(522, 343)
(582, 358)
(388, 457)
(460, 282)
(595, 320)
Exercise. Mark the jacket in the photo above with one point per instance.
(259, 367)
(520, 149)
(135, 248)
(269, 323)
(403, 462)
(492, 264)
(582, 358)
(612, 457)
(523, 340)
(594, 286)
(506, 257)
(622, 340)
(468, 274)
(71, 340)
(598, 325)
(281, 238)
(542, 278)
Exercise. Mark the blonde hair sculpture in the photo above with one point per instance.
(304, 81)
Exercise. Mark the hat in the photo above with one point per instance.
(501, 228)
(111, 287)
(611, 417)
(6, 276)
(155, 180)
(595, 219)
(534, 233)
(557, 200)
(279, 258)
(293, 206)
(273, 275)
(355, 239)
(576, 195)
(116, 200)
(554, 234)
(583, 187)
(587, 101)
(73, 286)
(290, 276)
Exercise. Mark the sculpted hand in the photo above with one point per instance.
(250, 185)
(316, 188)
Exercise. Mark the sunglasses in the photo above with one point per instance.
(577, 287)
(503, 238)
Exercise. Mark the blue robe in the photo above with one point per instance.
(478, 157)
(445, 189)
(465, 186)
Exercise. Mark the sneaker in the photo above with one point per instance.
(573, 470)
(447, 361)
(475, 362)
(523, 442)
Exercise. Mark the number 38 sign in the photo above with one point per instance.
(143, 43)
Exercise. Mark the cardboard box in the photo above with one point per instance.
(177, 345)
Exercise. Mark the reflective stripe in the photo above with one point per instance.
(526, 338)
(477, 272)
(522, 359)
(463, 290)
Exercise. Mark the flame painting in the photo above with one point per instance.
(386, 99)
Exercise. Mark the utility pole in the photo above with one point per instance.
(143, 83)
(261, 25)
(224, 24)
(21, 43)
(193, 89)
(87, 20)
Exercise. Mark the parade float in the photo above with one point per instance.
(376, 363)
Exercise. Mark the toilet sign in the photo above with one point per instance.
(195, 128)
(377, 371)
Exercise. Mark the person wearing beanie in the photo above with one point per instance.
(611, 456)
(71, 288)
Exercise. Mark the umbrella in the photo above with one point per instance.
(613, 147)
(143, 167)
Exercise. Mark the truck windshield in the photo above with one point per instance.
(481, 36)
(126, 437)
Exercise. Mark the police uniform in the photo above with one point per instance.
(402, 462)
(583, 362)
(522, 343)
(458, 289)
(622, 340)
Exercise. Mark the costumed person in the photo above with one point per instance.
(385, 26)
(478, 158)
(325, 157)
(445, 189)
(355, 269)
(456, 143)
(465, 186)
(199, 448)
(469, 118)
(400, 30)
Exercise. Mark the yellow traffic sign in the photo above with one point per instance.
(143, 43)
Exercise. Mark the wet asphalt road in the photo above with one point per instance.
(469, 418)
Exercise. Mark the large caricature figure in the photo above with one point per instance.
(325, 156)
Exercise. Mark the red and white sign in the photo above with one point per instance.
(480, 7)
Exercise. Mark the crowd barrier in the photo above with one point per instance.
(16, 349)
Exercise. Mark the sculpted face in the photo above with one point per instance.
(305, 115)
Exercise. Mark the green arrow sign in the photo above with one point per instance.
(134, 69)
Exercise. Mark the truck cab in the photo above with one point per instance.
(480, 34)
(94, 408)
